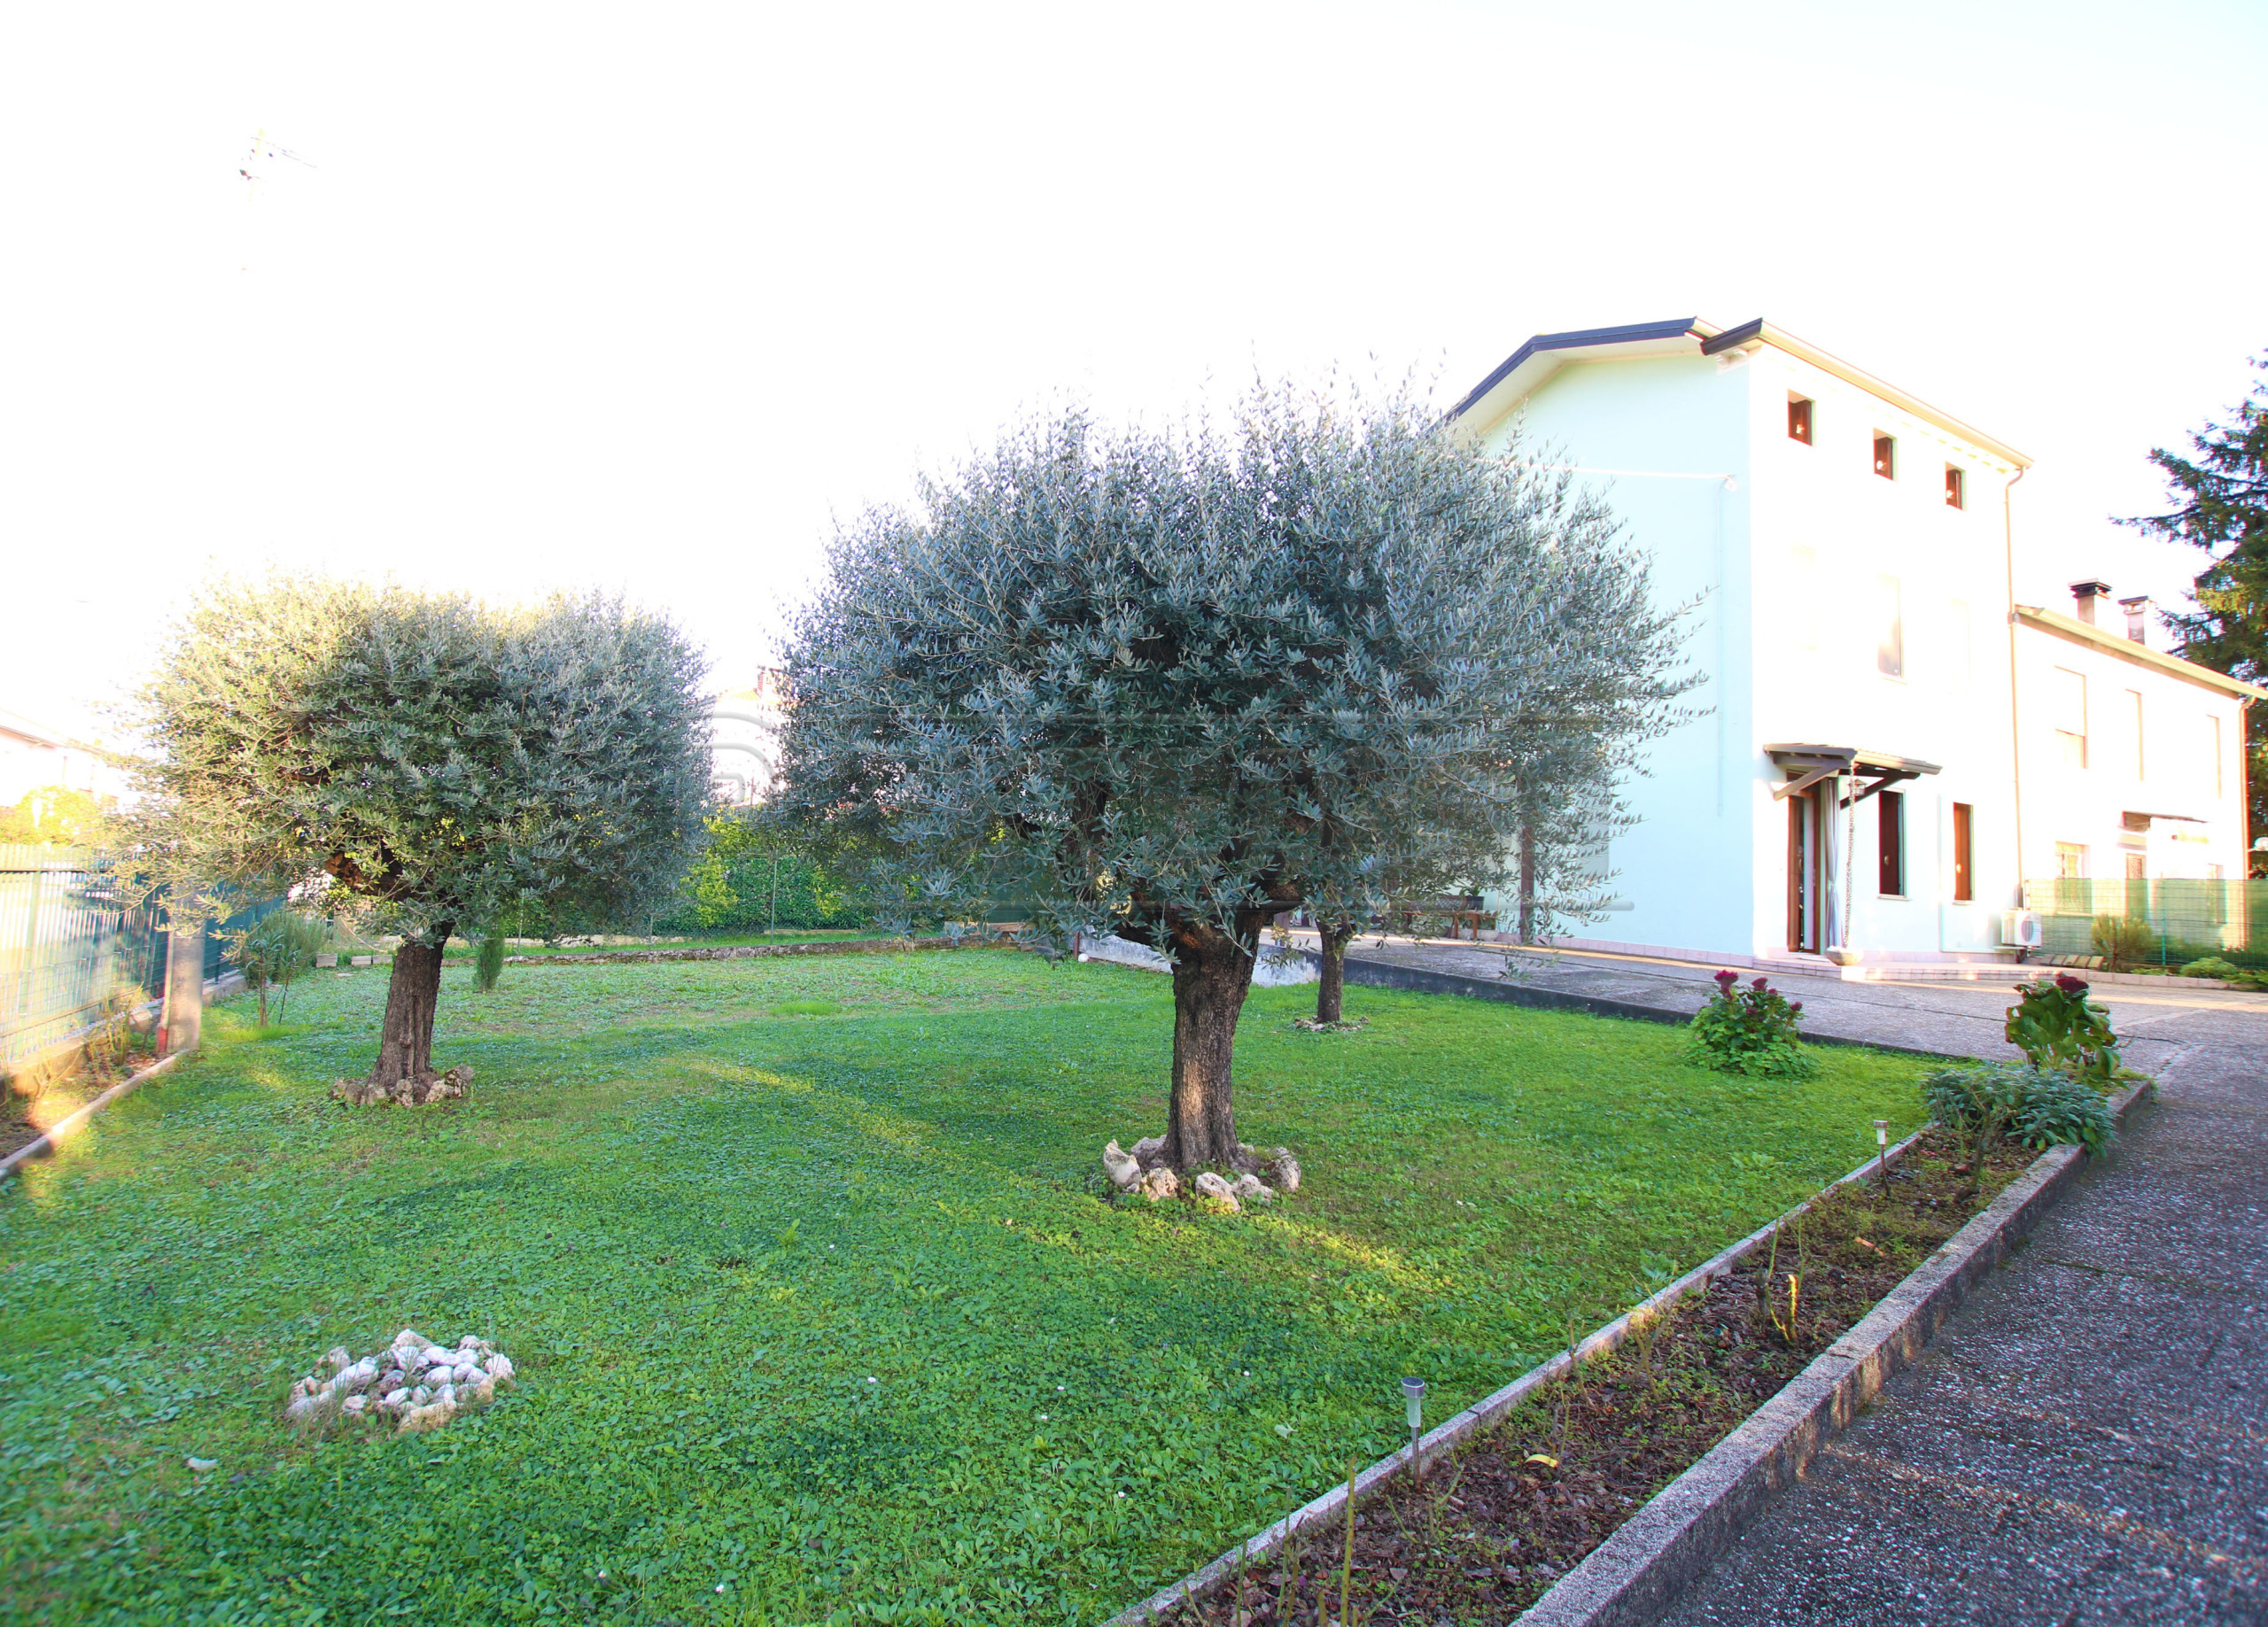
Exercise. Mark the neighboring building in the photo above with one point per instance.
(1853, 783)
(34, 758)
(745, 725)
(2134, 759)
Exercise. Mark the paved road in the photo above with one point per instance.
(1960, 1019)
(2086, 1440)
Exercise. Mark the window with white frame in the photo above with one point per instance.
(2068, 695)
(1890, 628)
(1803, 597)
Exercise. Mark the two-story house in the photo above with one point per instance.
(1859, 781)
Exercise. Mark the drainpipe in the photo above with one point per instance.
(2015, 725)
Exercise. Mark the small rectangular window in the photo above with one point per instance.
(1891, 844)
(1799, 420)
(1890, 628)
(1964, 887)
(2138, 867)
(2072, 861)
(1955, 488)
(1886, 456)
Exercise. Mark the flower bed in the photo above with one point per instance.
(1484, 1534)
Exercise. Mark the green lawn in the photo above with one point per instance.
(812, 1290)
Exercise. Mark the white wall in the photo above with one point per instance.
(2085, 806)
(1682, 879)
(1828, 532)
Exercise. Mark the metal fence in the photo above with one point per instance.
(2187, 920)
(68, 941)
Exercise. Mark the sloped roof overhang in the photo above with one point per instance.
(1519, 374)
(1805, 765)
(2130, 649)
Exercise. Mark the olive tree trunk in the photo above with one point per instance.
(1329, 990)
(1528, 884)
(1212, 973)
(404, 1069)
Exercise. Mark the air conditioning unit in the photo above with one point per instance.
(2020, 928)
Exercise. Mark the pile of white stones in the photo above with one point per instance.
(414, 1384)
(1146, 1170)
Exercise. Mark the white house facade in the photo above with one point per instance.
(1857, 783)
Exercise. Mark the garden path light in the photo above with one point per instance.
(1413, 1393)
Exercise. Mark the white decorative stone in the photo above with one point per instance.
(1212, 1186)
(1248, 1188)
(1122, 1168)
(1159, 1184)
(1287, 1170)
(1149, 1150)
(338, 1359)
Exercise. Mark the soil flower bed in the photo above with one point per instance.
(1482, 1537)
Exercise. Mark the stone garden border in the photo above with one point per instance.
(1627, 1579)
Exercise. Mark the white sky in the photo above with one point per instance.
(640, 296)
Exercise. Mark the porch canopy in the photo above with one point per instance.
(1807, 765)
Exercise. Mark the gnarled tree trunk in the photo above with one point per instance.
(1528, 884)
(404, 1071)
(1328, 992)
(1212, 973)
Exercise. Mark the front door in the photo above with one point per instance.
(1806, 872)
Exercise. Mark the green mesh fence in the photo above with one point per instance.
(2178, 921)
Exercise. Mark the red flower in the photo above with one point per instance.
(1795, 1005)
(2069, 984)
(1726, 980)
(1762, 987)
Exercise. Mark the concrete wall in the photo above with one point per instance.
(1682, 876)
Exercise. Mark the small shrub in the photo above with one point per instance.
(2212, 965)
(2123, 940)
(2060, 1030)
(1752, 1030)
(1994, 1102)
(490, 966)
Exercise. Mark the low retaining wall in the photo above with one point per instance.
(1684, 1530)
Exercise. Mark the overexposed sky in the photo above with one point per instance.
(642, 296)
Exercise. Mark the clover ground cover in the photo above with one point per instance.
(819, 1309)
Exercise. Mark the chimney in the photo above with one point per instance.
(2137, 617)
(2086, 594)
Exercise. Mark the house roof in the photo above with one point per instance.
(23, 728)
(2132, 649)
(1520, 373)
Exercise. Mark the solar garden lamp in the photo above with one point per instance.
(1413, 1395)
(1881, 1152)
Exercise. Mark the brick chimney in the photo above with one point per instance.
(2137, 617)
(2086, 594)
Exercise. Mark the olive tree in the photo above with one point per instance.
(426, 755)
(1169, 683)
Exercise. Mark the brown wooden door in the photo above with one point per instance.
(1807, 871)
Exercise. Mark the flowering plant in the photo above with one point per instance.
(2057, 1026)
(1752, 1030)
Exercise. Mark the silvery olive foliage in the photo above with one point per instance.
(1153, 681)
(434, 756)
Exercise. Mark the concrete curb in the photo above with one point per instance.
(52, 1138)
(1444, 1436)
(750, 951)
(1636, 1573)
(1386, 974)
